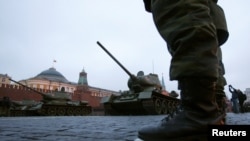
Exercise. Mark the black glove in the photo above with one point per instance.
(147, 4)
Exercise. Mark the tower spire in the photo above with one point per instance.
(163, 83)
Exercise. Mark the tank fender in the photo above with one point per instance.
(107, 99)
(145, 95)
(83, 102)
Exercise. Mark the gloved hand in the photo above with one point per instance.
(147, 4)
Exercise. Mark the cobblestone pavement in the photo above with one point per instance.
(85, 128)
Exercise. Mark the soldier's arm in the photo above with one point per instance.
(231, 88)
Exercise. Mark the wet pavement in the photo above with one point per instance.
(85, 128)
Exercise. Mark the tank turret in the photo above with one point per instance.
(144, 97)
(144, 82)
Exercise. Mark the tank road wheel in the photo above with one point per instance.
(177, 107)
(77, 111)
(83, 111)
(21, 113)
(108, 110)
(70, 112)
(164, 107)
(158, 106)
(61, 111)
(15, 113)
(89, 110)
(170, 109)
(51, 111)
(18, 113)
(43, 111)
(86, 111)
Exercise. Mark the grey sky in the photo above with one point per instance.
(35, 32)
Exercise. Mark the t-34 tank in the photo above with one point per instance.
(59, 103)
(144, 97)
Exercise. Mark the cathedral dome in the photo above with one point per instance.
(53, 75)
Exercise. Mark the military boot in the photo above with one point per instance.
(199, 109)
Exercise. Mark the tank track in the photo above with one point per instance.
(160, 104)
(65, 110)
(22, 113)
(52, 110)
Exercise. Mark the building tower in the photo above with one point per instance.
(4, 79)
(82, 81)
(83, 78)
(163, 83)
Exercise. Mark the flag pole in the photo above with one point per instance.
(54, 61)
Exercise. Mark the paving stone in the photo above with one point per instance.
(85, 128)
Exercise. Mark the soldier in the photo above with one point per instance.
(237, 99)
(242, 97)
(234, 99)
(193, 31)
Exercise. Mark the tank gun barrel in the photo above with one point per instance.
(26, 86)
(131, 75)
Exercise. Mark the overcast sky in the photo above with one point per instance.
(33, 33)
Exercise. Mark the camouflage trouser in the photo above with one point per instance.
(191, 36)
(220, 84)
(221, 81)
(220, 23)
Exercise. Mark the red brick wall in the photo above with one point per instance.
(18, 93)
(92, 100)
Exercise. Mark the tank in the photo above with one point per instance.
(145, 95)
(56, 103)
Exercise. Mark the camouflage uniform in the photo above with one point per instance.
(194, 30)
(220, 23)
(187, 35)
